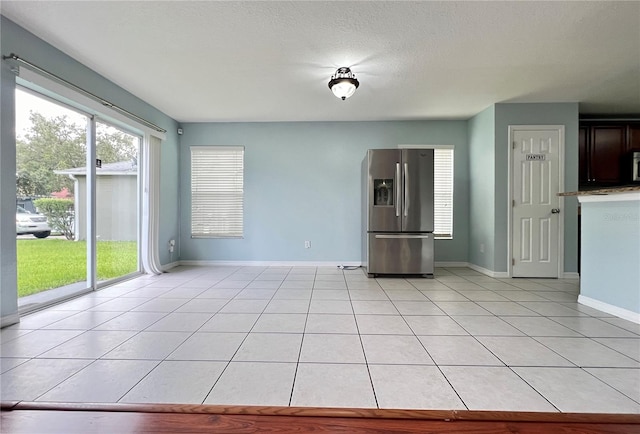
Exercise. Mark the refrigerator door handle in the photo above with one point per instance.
(406, 189)
(397, 189)
(401, 236)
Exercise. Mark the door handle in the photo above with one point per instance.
(406, 188)
(400, 236)
(555, 211)
(397, 190)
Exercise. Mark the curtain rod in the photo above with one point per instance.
(102, 101)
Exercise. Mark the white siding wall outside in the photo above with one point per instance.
(116, 208)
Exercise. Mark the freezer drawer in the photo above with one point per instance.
(395, 253)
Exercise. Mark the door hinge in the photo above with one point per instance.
(513, 202)
(513, 261)
(515, 144)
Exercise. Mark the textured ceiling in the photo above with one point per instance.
(271, 61)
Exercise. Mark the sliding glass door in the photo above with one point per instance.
(117, 203)
(51, 146)
(77, 213)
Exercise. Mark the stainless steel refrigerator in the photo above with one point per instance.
(398, 212)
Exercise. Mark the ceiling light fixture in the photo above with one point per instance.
(343, 83)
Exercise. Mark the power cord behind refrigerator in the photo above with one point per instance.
(354, 267)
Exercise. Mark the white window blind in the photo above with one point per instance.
(443, 192)
(443, 188)
(217, 191)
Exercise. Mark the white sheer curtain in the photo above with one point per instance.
(150, 206)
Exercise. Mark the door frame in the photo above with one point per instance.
(561, 161)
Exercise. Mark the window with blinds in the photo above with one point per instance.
(217, 191)
(443, 188)
(443, 192)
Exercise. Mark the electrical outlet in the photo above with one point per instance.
(172, 245)
(307, 244)
(481, 247)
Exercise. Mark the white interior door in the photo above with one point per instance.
(536, 213)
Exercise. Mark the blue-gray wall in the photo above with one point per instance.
(14, 39)
(611, 253)
(482, 189)
(302, 182)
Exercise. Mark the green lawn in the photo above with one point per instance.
(51, 263)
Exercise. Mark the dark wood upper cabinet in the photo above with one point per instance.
(634, 137)
(583, 155)
(608, 147)
(603, 151)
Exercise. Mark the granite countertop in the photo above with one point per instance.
(604, 190)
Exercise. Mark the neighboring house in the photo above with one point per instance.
(116, 201)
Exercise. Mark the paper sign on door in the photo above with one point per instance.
(536, 157)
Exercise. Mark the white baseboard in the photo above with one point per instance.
(272, 263)
(8, 320)
(451, 264)
(490, 273)
(571, 275)
(170, 265)
(620, 312)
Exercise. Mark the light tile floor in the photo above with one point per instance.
(314, 336)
